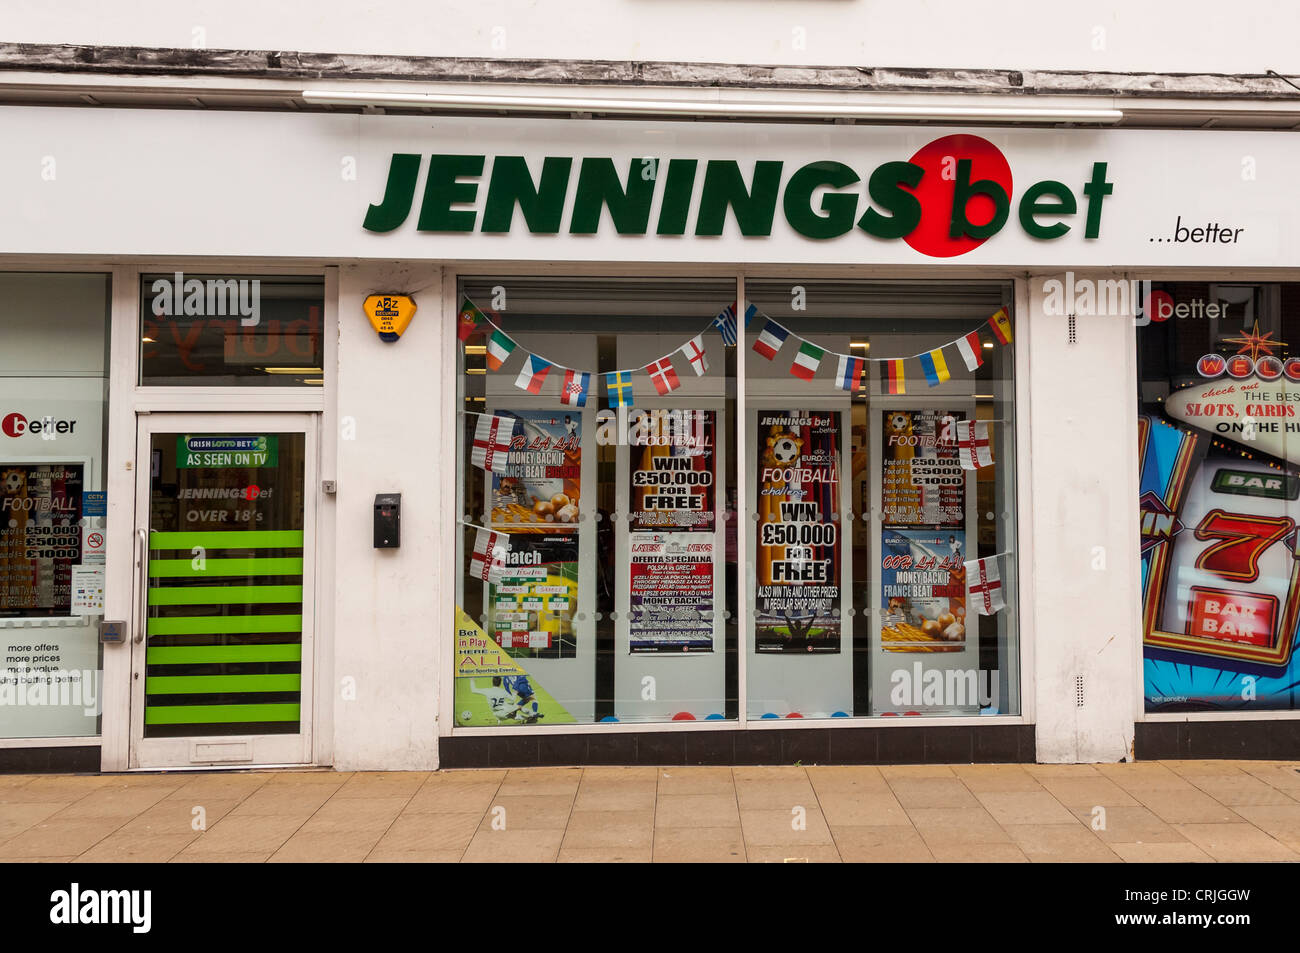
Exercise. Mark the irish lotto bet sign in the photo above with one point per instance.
(209, 452)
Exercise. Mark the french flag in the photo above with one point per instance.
(770, 339)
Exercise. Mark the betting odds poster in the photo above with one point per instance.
(540, 487)
(798, 599)
(923, 587)
(530, 611)
(40, 537)
(671, 517)
(922, 480)
(492, 689)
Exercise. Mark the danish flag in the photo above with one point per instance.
(985, 585)
(973, 447)
(663, 375)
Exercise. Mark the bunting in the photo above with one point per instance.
(491, 554)
(491, 442)
(985, 585)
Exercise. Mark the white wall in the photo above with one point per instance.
(1197, 35)
(390, 622)
(1083, 480)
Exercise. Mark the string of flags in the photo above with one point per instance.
(850, 372)
(490, 556)
(985, 585)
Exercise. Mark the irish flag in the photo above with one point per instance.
(1001, 325)
(499, 347)
(807, 360)
(533, 374)
(894, 376)
(935, 367)
(971, 350)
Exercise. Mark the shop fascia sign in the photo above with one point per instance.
(955, 193)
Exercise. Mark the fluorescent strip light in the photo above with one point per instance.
(665, 107)
(293, 370)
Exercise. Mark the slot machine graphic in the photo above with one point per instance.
(1220, 578)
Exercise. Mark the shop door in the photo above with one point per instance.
(225, 557)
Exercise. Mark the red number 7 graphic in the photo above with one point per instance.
(1244, 538)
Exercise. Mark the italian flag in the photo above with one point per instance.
(971, 349)
(807, 360)
(498, 349)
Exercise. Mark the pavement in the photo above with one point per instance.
(1150, 811)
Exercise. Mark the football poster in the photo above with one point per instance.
(797, 600)
(493, 689)
(671, 471)
(40, 537)
(671, 597)
(923, 590)
(540, 487)
(922, 480)
(531, 609)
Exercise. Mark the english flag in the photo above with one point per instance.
(694, 353)
(533, 374)
(973, 447)
(770, 339)
(984, 585)
(971, 350)
(491, 552)
(576, 384)
(663, 375)
(491, 442)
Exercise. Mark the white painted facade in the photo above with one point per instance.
(272, 192)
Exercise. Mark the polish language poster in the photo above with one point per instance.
(797, 606)
(671, 598)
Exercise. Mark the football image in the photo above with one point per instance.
(13, 481)
(785, 451)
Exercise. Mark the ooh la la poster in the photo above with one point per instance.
(797, 601)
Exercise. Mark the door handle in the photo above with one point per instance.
(142, 583)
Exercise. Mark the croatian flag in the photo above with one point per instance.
(491, 442)
(575, 388)
(533, 374)
(848, 376)
(726, 322)
(973, 447)
(664, 377)
(770, 339)
(985, 585)
(1001, 325)
(619, 385)
(894, 381)
(971, 350)
(935, 367)
(807, 360)
(490, 555)
(694, 353)
(499, 347)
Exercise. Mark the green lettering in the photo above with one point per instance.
(839, 209)
(512, 184)
(441, 191)
(1096, 190)
(1030, 207)
(678, 189)
(599, 186)
(724, 187)
(963, 190)
(886, 189)
(403, 170)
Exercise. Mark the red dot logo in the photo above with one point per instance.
(937, 192)
(1160, 306)
(14, 425)
(250, 492)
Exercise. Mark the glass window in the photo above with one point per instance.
(53, 435)
(1219, 445)
(597, 496)
(880, 419)
(245, 330)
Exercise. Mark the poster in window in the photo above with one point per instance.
(923, 590)
(540, 488)
(531, 610)
(922, 481)
(40, 537)
(491, 687)
(671, 596)
(671, 471)
(797, 602)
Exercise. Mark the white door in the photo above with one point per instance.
(221, 659)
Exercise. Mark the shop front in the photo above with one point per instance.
(428, 441)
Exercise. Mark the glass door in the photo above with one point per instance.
(225, 554)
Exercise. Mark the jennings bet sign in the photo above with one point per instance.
(952, 195)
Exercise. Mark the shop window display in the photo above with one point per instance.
(612, 473)
(1219, 445)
